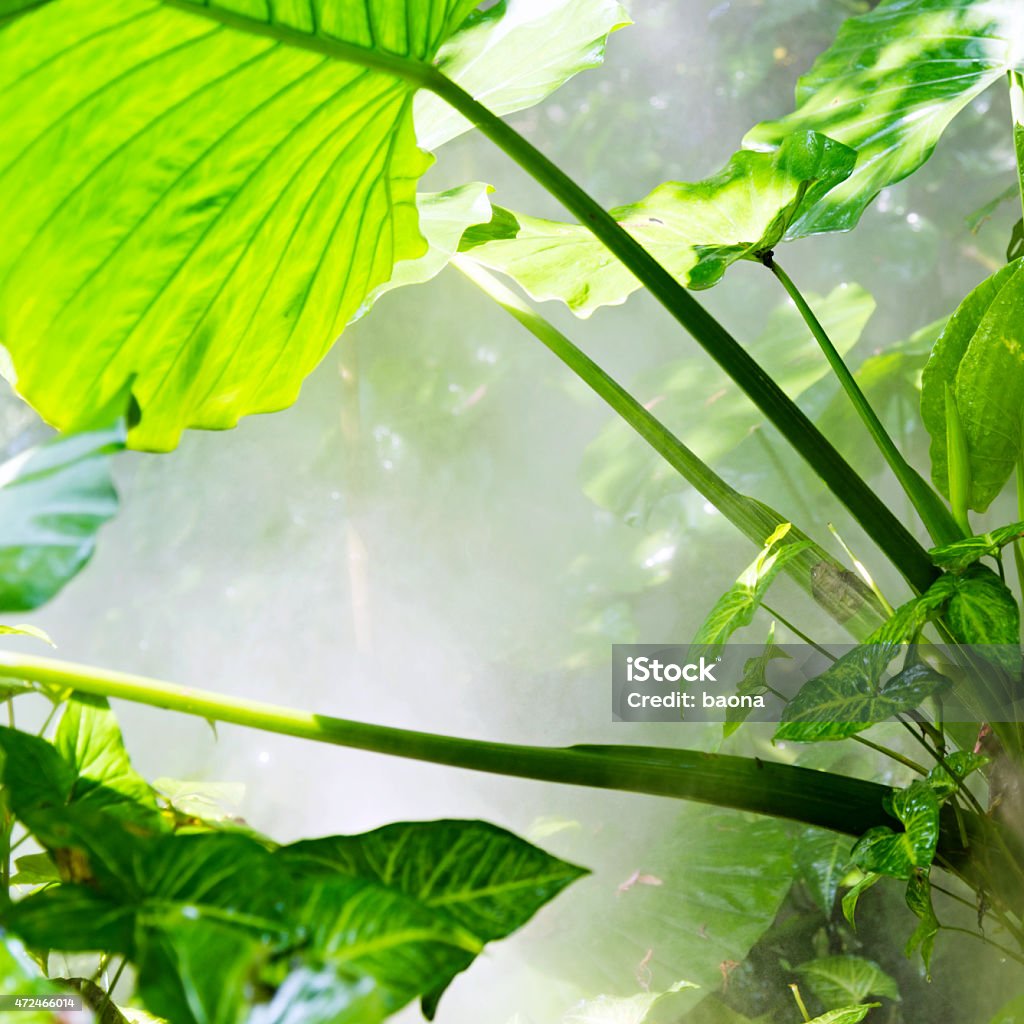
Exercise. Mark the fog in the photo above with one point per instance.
(413, 543)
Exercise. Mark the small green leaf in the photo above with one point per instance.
(24, 630)
(847, 1015)
(898, 854)
(852, 898)
(736, 607)
(840, 981)
(35, 869)
(53, 500)
(919, 899)
(822, 859)
(961, 763)
(695, 229)
(979, 359)
(960, 554)
(889, 85)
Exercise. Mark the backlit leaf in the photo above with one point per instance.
(889, 85)
(695, 229)
(839, 981)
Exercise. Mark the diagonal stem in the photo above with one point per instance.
(930, 507)
(756, 520)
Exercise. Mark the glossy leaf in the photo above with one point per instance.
(981, 611)
(960, 764)
(53, 500)
(979, 358)
(196, 203)
(897, 854)
(960, 554)
(822, 859)
(839, 981)
(695, 229)
(486, 878)
(888, 87)
(736, 607)
(485, 57)
(850, 696)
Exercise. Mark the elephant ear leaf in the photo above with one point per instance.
(200, 197)
(889, 86)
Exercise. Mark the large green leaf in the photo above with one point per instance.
(979, 360)
(839, 981)
(889, 85)
(695, 229)
(53, 500)
(200, 199)
(982, 611)
(514, 54)
(486, 878)
(707, 412)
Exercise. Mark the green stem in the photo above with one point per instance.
(1016, 82)
(817, 798)
(930, 507)
(756, 520)
(1018, 546)
(871, 512)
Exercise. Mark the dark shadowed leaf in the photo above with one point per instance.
(919, 899)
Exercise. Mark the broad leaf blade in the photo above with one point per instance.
(695, 229)
(196, 204)
(889, 85)
(488, 879)
(839, 981)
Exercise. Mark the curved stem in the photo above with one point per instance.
(930, 507)
(818, 798)
(756, 520)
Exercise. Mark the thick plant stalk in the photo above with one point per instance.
(823, 799)
(753, 518)
(881, 524)
(930, 507)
